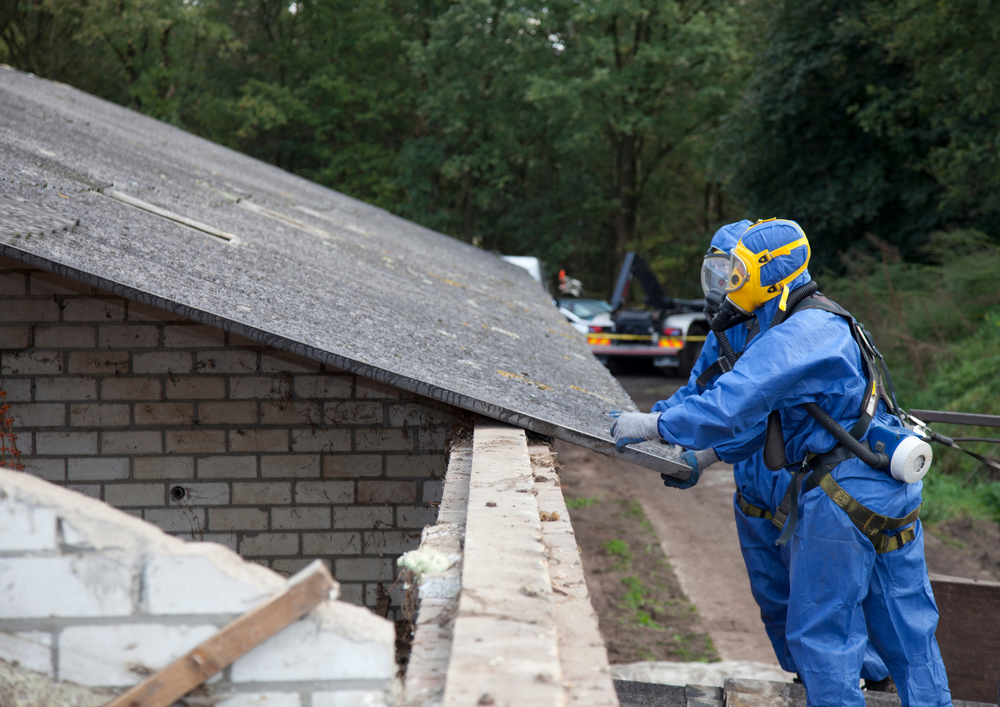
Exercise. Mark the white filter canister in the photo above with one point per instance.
(911, 459)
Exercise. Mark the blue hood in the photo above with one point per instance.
(726, 238)
(771, 235)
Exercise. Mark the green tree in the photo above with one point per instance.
(546, 125)
(794, 145)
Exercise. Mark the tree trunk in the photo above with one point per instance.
(628, 198)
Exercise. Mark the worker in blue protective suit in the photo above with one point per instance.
(840, 578)
(759, 490)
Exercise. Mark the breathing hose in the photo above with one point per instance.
(796, 296)
(862, 452)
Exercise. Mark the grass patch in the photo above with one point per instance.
(585, 502)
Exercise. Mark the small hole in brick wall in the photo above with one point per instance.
(177, 493)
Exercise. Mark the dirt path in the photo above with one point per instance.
(696, 531)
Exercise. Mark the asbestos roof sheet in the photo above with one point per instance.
(121, 201)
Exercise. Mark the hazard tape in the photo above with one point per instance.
(642, 337)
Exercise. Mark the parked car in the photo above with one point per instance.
(588, 316)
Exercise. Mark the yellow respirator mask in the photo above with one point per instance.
(744, 288)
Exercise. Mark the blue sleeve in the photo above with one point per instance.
(809, 358)
(709, 354)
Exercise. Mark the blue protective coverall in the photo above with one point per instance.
(837, 582)
(767, 564)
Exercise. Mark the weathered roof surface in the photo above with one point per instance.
(102, 194)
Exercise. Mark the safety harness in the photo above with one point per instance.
(815, 469)
(722, 365)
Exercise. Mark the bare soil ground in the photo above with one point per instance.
(685, 554)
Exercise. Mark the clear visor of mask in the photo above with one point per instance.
(738, 273)
(715, 272)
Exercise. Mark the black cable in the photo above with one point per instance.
(862, 452)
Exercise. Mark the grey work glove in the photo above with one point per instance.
(635, 427)
(698, 461)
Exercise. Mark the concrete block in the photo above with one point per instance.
(433, 438)
(237, 519)
(203, 495)
(244, 342)
(61, 336)
(353, 412)
(31, 363)
(416, 465)
(164, 468)
(228, 413)
(324, 386)
(365, 389)
(369, 569)
(432, 491)
(288, 567)
(352, 594)
(28, 649)
(362, 517)
(321, 440)
(262, 699)
(65, 388)
(39, 415)
(416, 516)
(204, 388)
(92, 309)
(387, 492)
(385, 439)
(99, 415)
(99, 363)
(124, 654)
(195, 441)
(305, 651)
(177, 520)
(227, 467)
(48, 469)
(24, 527)
(285, 412)
(286, 466)
(300, 517)
(415, 415)
(97, 468)
(164, 413)
(270, 544)
(315, 544)
(163, 362)
(44, 283)
(191, 336)
(281, 362)
(130, 495)
(132, 442)
(268, 387)
(194, 584)
(262, 493)
(352, 466)
(13, 283)
(15, 337)
(59, 443)
(396, 542)
(349, 698)
(18, 390)
(257, 440)
(31, 309)
(138, 312)
(68, 585)
(225, 362)
(128, 336)
(324, 492)
(130, 389)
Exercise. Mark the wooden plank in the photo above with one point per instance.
(304, 592)
(159, 211)
(968, 634)
(957, 418)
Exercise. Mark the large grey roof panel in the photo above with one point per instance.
(132, 205)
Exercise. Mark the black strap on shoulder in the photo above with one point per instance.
(723, 365)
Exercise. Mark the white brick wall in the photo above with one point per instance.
(212, 436)
(130, 599)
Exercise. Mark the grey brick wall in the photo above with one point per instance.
(211, 436)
